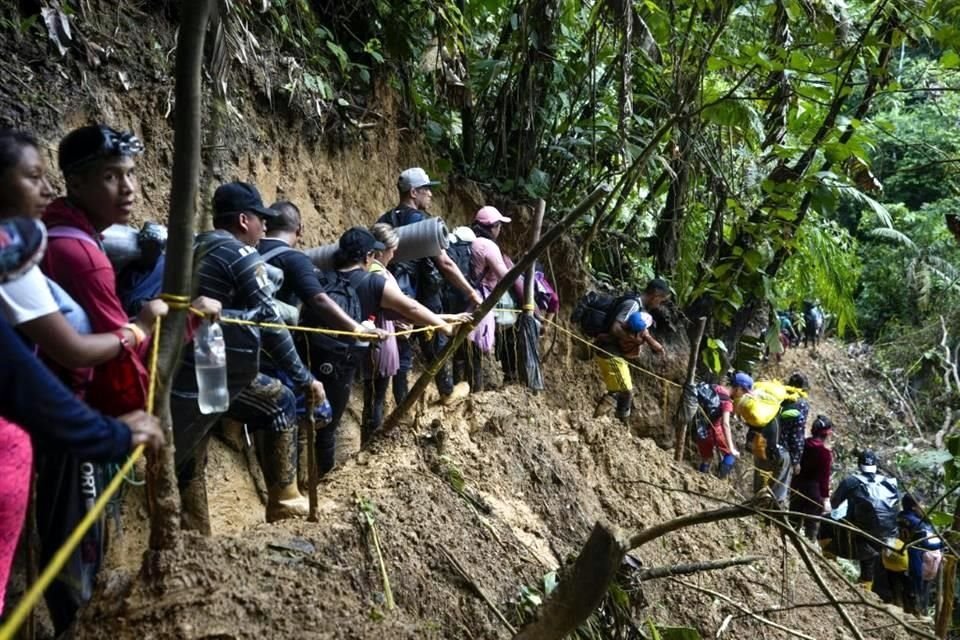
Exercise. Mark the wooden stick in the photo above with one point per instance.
(463, 573)
(755, 616)
(528, 283)
(655, 573)
(681, 429)
(312, 473)
(364, 507)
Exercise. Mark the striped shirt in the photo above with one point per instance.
(233, 273)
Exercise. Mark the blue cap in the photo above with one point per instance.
(742, 380)
(636, 322)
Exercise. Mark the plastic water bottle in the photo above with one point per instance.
(210, 358)
(369, 326)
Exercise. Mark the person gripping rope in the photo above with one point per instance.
(628, 326)
(712, 428)
(811, 482)
(420, 279)
(230, 269)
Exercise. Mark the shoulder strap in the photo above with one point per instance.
(64, 231)
(276, 251)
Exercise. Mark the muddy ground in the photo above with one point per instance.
(538, 472)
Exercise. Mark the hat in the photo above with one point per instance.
(639, 321)
(239, 197)
(414, 178)
(742, 380)
(359, 242)
(489, 216)
(867, 461)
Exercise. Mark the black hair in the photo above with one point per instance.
(657, 286)
(483, 230)
(77, 146)
(226, 221)
(12, 142)
(343, 259)
(798, 380)
(288, 218)
(822, 423)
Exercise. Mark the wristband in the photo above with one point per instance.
(124, 342)
(138, 335)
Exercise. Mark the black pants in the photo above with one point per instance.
(429, 348)
(374, 399)
(336, 370)
(507, 351)
(468, 365)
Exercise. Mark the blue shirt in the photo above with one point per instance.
(36, 400)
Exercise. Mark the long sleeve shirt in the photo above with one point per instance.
(235, 274)
(42, 405)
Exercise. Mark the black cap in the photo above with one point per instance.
(358, 242)
(239, 197)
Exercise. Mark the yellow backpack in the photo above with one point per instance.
(759, 407)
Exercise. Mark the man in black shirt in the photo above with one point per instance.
(420, 279)
(230, 269)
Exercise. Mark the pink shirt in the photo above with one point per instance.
(487, 260)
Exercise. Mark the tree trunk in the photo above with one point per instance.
(165, 520)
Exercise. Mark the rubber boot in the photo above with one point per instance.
(279, 464)
(194, 511)
(459, 393)
(704, 467)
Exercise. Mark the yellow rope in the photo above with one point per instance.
(62, 556)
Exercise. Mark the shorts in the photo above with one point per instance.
(615, 374)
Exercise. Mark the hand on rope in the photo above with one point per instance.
(145, 432)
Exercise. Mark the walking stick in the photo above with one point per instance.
(312, 479)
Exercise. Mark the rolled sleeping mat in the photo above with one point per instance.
(422, 239)
(322, 257)
(419, 240)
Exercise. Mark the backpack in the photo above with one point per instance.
(342, 290)
(594, 312)
(874, 506)
(708, 401)
(454, 300)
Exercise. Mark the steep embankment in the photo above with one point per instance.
(537, 472)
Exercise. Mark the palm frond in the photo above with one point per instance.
(893, 236)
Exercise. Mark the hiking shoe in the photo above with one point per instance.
(23, 242)
(460, 392)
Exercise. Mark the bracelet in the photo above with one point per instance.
(138, 335)
(124, 342)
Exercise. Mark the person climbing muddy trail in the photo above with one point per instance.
(592, 320)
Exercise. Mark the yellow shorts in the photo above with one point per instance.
(615, 374)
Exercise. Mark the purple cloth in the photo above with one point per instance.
(386, 358)
(484, 335)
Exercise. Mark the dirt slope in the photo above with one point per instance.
(543, 468)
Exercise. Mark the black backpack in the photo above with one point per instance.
(454, 300)
(595, 311)
(874, 505)
(342, 290)
(708, 401)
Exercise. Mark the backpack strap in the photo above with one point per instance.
(275, 252)
(64, 231)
